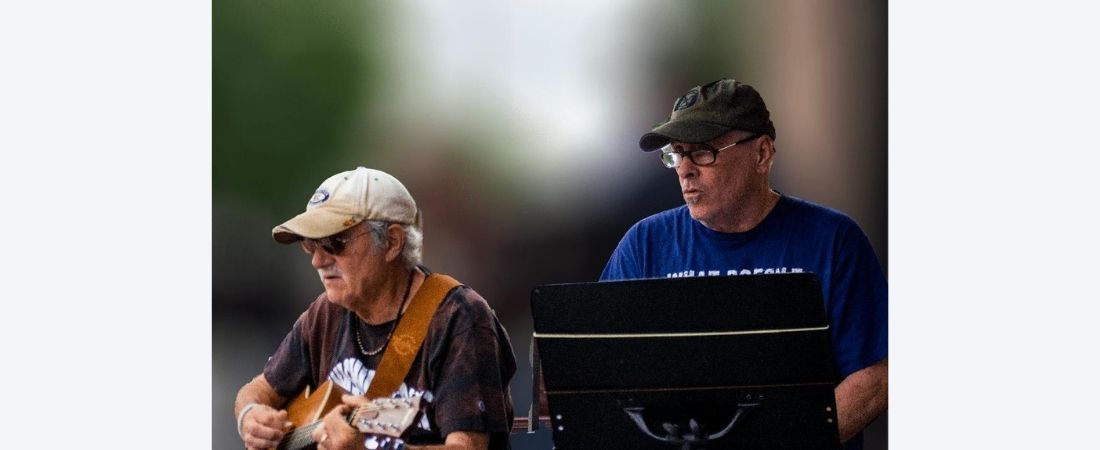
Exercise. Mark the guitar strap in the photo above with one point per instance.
(409, 335)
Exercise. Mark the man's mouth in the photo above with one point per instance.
(691, 196)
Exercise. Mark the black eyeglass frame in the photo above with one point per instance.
(672, 158)
(333, 245)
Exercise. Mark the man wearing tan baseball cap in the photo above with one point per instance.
(362, 231)
(346, 199)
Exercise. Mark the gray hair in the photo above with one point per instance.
(414, 241)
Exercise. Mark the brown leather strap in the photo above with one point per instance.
(409, 334)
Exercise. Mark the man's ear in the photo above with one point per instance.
(765, 155)
(395, 238)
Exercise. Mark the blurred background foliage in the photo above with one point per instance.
(288, 80)
(515, 127)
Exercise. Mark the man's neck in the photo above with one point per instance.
(398, 289)
(747, 215)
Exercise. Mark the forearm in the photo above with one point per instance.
(860, 398)
(465, 440)
(257, 391)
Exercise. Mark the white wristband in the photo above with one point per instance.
(240, 417)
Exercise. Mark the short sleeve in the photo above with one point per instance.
(288, 369)
(302, 357)
(472, 376)
(858, 307)
(624, 262)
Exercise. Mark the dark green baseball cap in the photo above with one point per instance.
(709, 111)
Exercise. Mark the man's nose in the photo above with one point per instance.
(320, 258)
(687, 168)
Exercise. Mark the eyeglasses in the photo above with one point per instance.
(333, 245)
(704, 155)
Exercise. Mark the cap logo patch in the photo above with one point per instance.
(318, 197)
(686, 101)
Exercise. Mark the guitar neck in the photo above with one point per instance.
(302, 437)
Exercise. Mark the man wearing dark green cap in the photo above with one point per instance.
(720, 140)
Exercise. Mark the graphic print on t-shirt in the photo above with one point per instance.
(717, 273)
(351, 375)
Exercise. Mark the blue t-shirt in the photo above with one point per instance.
(796, 236)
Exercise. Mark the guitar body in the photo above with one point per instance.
(310, 406)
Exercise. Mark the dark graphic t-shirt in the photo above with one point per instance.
(463, 368)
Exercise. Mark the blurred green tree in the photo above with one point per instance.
(288, 80)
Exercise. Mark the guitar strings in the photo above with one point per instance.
(299, 434)
(305, 433)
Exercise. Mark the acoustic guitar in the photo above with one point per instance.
(384, 417)
(387, 418)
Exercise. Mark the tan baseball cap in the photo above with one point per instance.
(346, 199)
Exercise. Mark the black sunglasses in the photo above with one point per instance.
(333, 245)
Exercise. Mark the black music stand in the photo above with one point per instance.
(732, 362)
